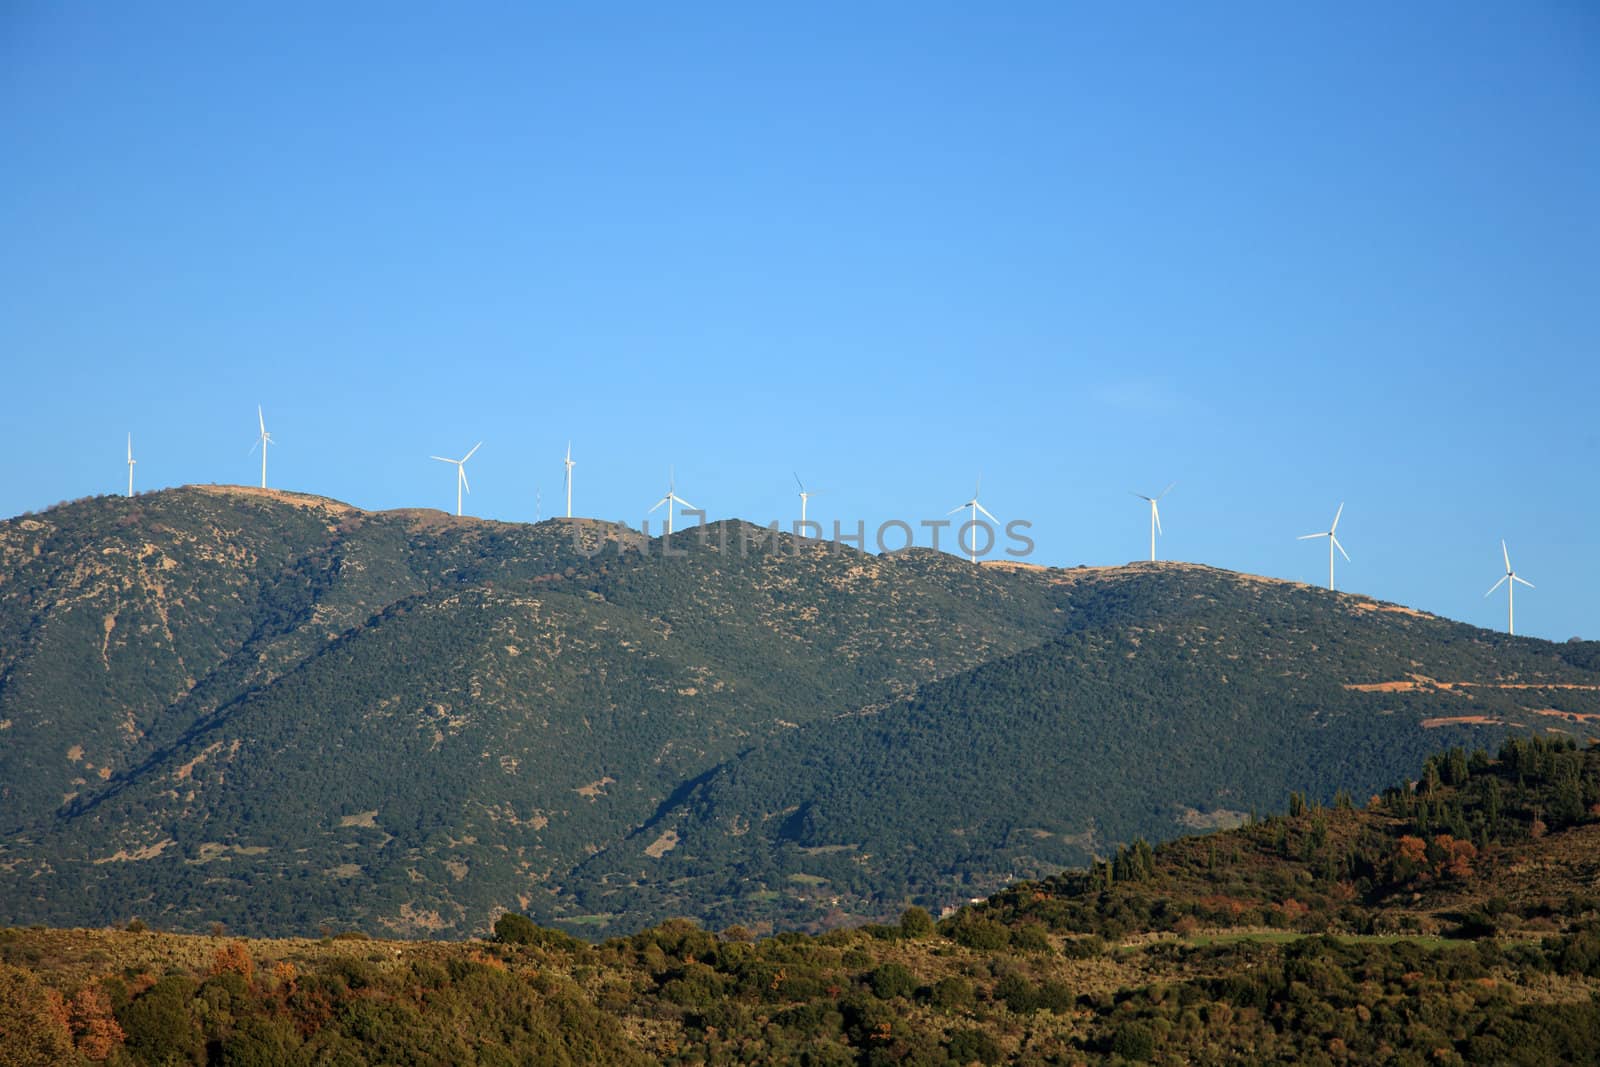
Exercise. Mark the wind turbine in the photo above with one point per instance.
(263, 441)
(1333, 542)
(976, 507)
(131, 462)
(671, 497)
(570, 465)
(1509, 580)
(1155, 517)
(461, 473)
(805, 495)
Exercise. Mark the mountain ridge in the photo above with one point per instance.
(293, 708)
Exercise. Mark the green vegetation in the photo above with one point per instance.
(282, 714)
(1106, 965)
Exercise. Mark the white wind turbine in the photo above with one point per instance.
(569, 465)
(671, 498)
(262, 441)
(131, 462)
(461, 473)
(1509, 580)
(1155, 517)
(1333, 542)
(805, 495)
(976, 507)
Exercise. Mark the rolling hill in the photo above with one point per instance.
(1450, 923)
(279, 712)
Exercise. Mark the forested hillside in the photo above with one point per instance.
(280, 712)
(1449, 923)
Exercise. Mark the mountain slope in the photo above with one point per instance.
(1179, 697)
(1376, 934)
(279, 711)
(421, 718)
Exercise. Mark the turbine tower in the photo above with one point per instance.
(131, 462)
(1509, 580)
(1155, 517)
(805, 495)
(461, 473)
(1333, 542)
(976, 507)
(570, 465)
(671, 498)
(263, 441)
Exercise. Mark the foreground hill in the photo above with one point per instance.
(279, 712)
(1326, 936)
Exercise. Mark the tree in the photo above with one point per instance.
(34, 1021)
(915, 923)
(94, 1027)
(514, 929)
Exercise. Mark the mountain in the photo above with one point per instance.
(281, 712)
(1450, 923)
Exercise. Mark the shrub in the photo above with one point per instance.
(983, 934)
(892, 980)
(514, 929)
(1134, 1041)
(969, 1045)
(915, 923)
(952, 993)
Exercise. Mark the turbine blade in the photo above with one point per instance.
(798, 482)
(658, 503)
(685, 503)
(1519, 578)
(1340, 547)
(1141, 496)
(1155, 513)
(1307, 537)
(1498, 584)
(1506, 553)
(462, 469)
(1170, 487)
(985, 510)
(262, 419)
(474, 449)
(1335, 527)
(958, 507)
(441, 459)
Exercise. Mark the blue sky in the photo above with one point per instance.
(1284, 255)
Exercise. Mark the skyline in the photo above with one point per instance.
(948, 536)
(1281, 258)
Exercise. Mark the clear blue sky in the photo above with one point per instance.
(1285, 255)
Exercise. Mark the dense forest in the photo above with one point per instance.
(1447, 921)
(279, 712)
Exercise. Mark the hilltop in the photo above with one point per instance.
(281, 712)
